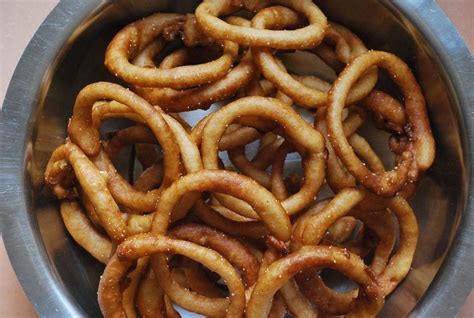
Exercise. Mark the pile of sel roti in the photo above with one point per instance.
(246, 240)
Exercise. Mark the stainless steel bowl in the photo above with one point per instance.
(67, 53)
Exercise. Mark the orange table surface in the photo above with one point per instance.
(14, 36)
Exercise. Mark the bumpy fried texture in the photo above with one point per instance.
(181, 228)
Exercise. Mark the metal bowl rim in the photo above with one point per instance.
(20, 232)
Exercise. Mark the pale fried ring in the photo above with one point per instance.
(298, 201)
(236, 253)
(132, 39)
(198, 281)
(309, 81)
(255, 169)
(149, 179)
(208, 11)
(306, 139)
(296, 302)
(266, 205)
(87, 137)
(337, 176)
(149, 299)
(225, 212)
(369, 301)
(202, 97)
(94, 185)
(131, 291)
(244, 131)
(389, 270)
(146, 244)
(410, 163)
(84, 233)
(136, 201)
(128, 136)
(140, 201)
(303, 94)
(312, 230)
(208, 215)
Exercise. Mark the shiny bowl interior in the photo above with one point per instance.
(441, 199)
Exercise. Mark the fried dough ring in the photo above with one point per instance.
(87, 137)
(103, 110)
(388, 112)
(255, 169)
(94, 185)
(252, 229)
(389, 270)
(199, 97)
(147, 244)
(132, 135)
(314, 228)
(149, 179)
(308, 80)
(368, 303)
(221, 181)
(417, 158)
(197, 279)
(130, 292)
(337, 176)
(242, 132)
(208, 12)
(84, 233)
(295, 128)
(236, 253)
(149, 299)
(225, 212)
(278, 186)
(142, 202)
(202, 97)
(303, 94)
(132, 39)
(136, 201)
(269, 209)
(295, 301)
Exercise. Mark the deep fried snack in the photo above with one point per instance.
(147, 244)
(268, 208)
(388, 113)
(201, 97)
(295, 301)
(220, 181)
(198, 280)
(149, 298)
(389, 270)
(307, 140)
(305, 95)
(189, 225)
(252, 229)
(208, 12)
(132, 39)
(94, 185)
(255, 168)
(132, 135)
(84, 233)
(87, 137)
(368, 303)
(313, 230)
(140, 201)
(229, 247)
(419, 155)
(133, 282)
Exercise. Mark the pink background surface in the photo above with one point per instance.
(19, 20)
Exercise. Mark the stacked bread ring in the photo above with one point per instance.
(250, 236)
